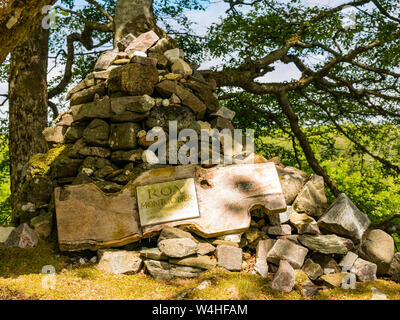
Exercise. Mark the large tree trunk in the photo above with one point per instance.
(16, 20)
(27, 102)
(136, 17)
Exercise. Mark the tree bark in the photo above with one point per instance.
(27, 102)
(16, 19)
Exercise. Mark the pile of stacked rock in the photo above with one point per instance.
(143, 85)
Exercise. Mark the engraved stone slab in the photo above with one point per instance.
(166, 202)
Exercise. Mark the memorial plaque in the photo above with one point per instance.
(167, 202)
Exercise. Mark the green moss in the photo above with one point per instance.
(41, 163)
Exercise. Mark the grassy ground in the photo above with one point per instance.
(21, 278)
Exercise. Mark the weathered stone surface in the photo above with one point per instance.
(138, 104)
(378, 247)
(108, 186)
(88, 95)
(202, 262)
(153, 253)
(180, 66)
(143, 42)
(285, 277)
(277, 219)
(224, 113)
(309, 289)
(162, 60)
(161, 117)
(312, 269)
(344, 218)
(123, 136)
(292, 237)
(394, 270)
(220, 124)
(125, 41)
(348, 260)
(73, 133)
(205, 248)
(235, 237)
(292, 181)
(42, 224)
(128, 116)
(327, 263)
(97, 133)
(229, 257)
(287, 250)
(174, 233)
(261, 268)
(311, 199)
(281, 230)
(97, 109)
(204, 91)
(119, 261)
(165, 271)
(127, 156)
(4, 233)
(333, 280)
(95, 152)
(304, 223)
(64, 119)
(174, 54)
(22, 237)
(133, 79)
(54, 134)
(105, 60)
(178, 248)
(65, 168)
(167, 88)
(113, 219)
(225, 243)
(365, 270)
(327, 244)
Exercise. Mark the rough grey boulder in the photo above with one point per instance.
(123, 136)
(153, 253)
(304, 223)
(327, 244)
(165, 271)
(43, 224)
(348, 260)
(98, 109)
(312, 269)
(365, 270)
(22, 237)
(202, 262)
(287, 250)
(119, 261)
(277, 219)
(174, 233)
(281, 230)
(394, 270)
(378, 247)
(178, 248)
(344, 218)
(311, 199)
(229, 257)
(292, 181)
(261, 267)
(285, 277)
(97, 133)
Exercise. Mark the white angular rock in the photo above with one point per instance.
(119, 261)
(174, 54)
(150, 157)
(348, 260)
(344, 218)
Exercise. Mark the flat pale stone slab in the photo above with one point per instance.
(87, 218)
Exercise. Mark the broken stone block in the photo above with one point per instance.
(312, 269)
(97, 133)
(205, 248)
(174, 233)
(204, 91)
(165, 271)
(123, 136)
(180, 66)
(133, 79)
(127, 156)
(88, 95)
(327, 263)
(292, 181)
(125, 41)
(94, 152)
(282, 230)
(138, 104)
(261, 268)
(105, 60)
(365, 270)
(285, 277)
(229, 257)
(4, 233)
(225, 243)
(42, 224)
(327, 244)
(344, 218)
(22, 237)
(54, 134)
(202, 262)
(287, 250)
(394, 269)
(153, 253)
(348, 260)
(378, 247)
(304, 223)
(311, 199)
(162, 61)
(309, 289)
(224, 113)
(220, 124)
(277, 219)
(99, 109)
(119, 261)
(174, 54)
(178, 248)
(333, 280)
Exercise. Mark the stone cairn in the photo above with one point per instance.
(144, 84)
